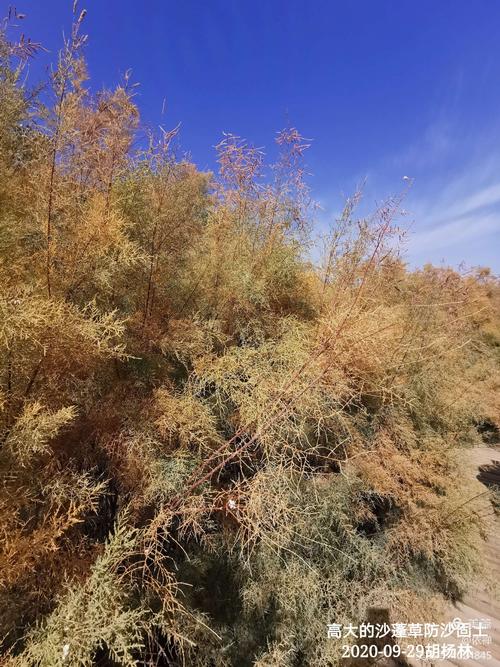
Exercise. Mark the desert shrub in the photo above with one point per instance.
(213, 444)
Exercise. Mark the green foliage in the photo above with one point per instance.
(97, 614)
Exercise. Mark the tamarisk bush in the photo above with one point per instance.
(212, 444)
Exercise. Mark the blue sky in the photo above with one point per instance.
(385, 89)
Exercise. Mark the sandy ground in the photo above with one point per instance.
(481, 602)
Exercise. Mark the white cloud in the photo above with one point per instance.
(488, 196)
(434, 145)
(454, 204)
(453, 233)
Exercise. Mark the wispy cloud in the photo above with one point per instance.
(455, 199)
(433, 146)
(460, 220)
(486, 197)
(454, 204)
(456, 232)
